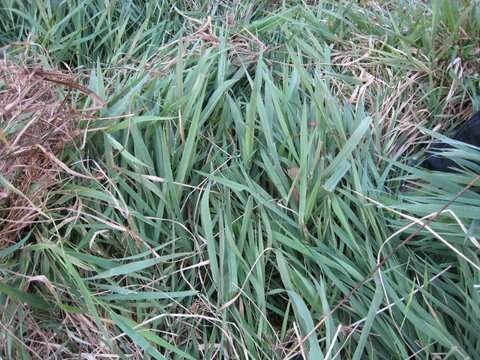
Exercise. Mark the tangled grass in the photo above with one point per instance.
(249, 188)
(38, 118)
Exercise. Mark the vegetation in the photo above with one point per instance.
(254, 162)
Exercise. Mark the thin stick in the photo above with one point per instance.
(361, 321)
(55, 78)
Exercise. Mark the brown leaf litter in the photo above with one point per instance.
(38, 119)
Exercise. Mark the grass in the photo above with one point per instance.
(254, 162)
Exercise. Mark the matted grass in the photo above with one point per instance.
(254, 162)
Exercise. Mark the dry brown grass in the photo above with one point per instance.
(38, 119)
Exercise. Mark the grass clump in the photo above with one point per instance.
(249, 169)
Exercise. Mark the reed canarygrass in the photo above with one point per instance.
(253, 163)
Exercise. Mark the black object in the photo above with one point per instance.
(468, 133)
